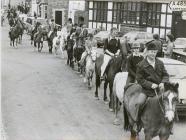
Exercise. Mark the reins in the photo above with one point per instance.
(159, 102)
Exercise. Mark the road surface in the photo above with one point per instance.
(44, 99)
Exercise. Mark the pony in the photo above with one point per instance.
(89, 67)
(16, 32)
(21, 26)
(69, 48)
(50, 39)
(116, 64)
(79, 46)
(158, 113)
(38, 40)
(14, 35)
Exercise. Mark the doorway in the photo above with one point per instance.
(58, 17)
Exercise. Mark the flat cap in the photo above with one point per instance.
(151, 46)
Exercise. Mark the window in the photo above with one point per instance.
(100, 11)
(116, 14)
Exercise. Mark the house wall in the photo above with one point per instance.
(61, 5)
(150, 16)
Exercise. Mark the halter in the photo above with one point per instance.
(163, 111)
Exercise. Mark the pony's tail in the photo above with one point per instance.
(126, 118)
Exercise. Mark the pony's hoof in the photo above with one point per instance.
(84, 80)
(116, 121)
(97, 98)
(106, 102)
(111, 110)
(89, 87)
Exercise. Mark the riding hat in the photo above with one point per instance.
(150, 45)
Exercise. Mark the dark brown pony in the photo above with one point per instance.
(158, 112)
(117, 64)
(16, 32)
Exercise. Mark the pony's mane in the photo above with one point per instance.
(171, 86)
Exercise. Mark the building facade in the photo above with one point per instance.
(58, 10)
(77, 12)
(42, 8)
(148, 15)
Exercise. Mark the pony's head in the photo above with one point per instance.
(170, 99)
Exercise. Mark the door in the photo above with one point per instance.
(178, 25)
(58, 17)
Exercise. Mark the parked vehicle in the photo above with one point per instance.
(180, 43)
(100, 37)
(136, 38)
(177, 73)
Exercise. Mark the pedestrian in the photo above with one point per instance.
(170, 46)
(111, 48)
(158, 44)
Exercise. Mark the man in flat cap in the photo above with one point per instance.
(151, 75)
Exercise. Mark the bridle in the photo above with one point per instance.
(161, 107)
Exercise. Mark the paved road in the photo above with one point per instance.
(43, 99)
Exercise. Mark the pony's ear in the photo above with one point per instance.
(166, 86)
(176, 86)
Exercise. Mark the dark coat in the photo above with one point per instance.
(146, 75)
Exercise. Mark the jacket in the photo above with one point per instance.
(146, 75)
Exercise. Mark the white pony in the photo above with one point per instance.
(89, 67)
(118, 92)
(63, 33)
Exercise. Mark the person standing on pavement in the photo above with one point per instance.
(170, 46)
(158, 44)
(112, 48)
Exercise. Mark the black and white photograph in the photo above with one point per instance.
(93, 70)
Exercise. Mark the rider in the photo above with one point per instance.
(151, 75)
(39, 30)
(90, 44)
(132, 62)
(52, 26)
(111, 48)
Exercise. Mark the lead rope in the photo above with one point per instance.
(159, 101)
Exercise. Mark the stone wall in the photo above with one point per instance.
(58, 4)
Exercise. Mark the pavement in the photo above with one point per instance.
(44, 99)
